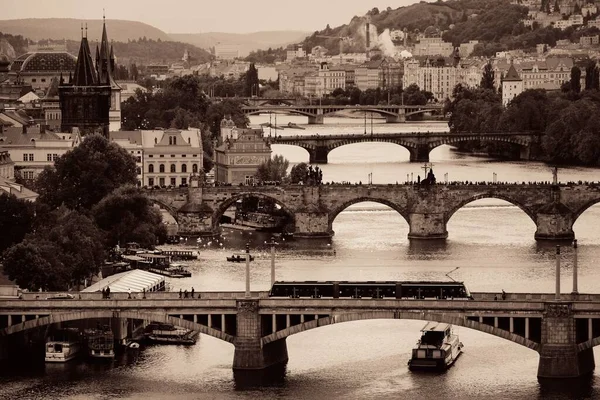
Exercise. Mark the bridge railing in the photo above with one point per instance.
(54, 296)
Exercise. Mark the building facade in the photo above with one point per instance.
(40, 67)
(33, 148)
(240, 154)
(164, 158)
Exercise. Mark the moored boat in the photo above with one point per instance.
(169, 334)
(437, 349)
(100, 343)
(64, 346)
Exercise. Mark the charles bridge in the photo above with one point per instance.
(553, 208)
(316, 113)
(419, 144)
(562, 329)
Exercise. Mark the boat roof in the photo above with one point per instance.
(435, 327)
(134, 258)
(135, 280)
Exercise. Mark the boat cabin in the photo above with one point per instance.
(433, 333)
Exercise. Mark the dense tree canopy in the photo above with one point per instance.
(299, 173)
(83, 176)
(274, 169)
(16, 220)
(127, 215)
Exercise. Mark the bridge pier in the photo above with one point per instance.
(525, 153)
(391, 119)
(318, 155)
(419, 153)
(427, 226)
(559, 355)
(315, 119)
(554, 225)
(252, 361)
(312, 225)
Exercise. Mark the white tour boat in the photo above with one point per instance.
(438, 348)
(62, 350)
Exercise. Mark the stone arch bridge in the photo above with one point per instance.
(562, 331)
(419, 144)
(427, 209)
(316, 113)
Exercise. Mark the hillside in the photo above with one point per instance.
(247, 41)
(68, 28)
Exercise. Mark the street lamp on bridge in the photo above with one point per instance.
(272, 243)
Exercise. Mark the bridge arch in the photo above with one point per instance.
(490, 195)
(224, 205)
(172, 211)
(410, 315)
(144, 315)
(367, 139)
(336, 211)
(584, 208)
(291, 110)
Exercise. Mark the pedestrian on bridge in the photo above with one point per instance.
(108, 292)
(192, 292)
(503, 295)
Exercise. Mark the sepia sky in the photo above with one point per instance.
(193, 16)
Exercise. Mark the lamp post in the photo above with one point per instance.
(272, 243)
(557, 293)
(247, 270)
(575, 291)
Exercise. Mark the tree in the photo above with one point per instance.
(127, 215)
(576, 79)
(591, 76)
(34, 264)
(487, 80)
(252, 84)
(83, 176)
(274, 169)
(16, 220)
(299, 173)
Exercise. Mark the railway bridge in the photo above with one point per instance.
(563, 331)
(419, 144)
(553, 208)
(316, 113)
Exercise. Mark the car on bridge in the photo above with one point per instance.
(60, 296)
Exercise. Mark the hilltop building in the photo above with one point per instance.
(91, 99)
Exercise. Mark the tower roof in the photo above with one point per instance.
(85, 75)
(105, 73)
(512, 74)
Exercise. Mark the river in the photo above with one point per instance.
(489, 240)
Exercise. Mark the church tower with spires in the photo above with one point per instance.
(91, 99)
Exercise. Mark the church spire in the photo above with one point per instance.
(84, 69)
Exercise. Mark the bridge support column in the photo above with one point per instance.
(316, 119)
(559, 355)
(312, 225)
(390, 119)
(419, 153)
(554, 225)
(525, 153)
(427, 226)
(252, 361)
(318, 155)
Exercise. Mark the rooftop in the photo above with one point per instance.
(44, 61)
(135, 280)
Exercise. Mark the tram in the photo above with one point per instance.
(372, 289)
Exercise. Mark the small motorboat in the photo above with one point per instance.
(291, 125)
(239, 258)
(437, 349)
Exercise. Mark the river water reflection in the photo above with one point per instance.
(491, 241)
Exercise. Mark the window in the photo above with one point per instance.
(48, 157)
(54, 157)
(184, 181)
(150, 155)
(172, 155)
(162, 156)
(24, 157)
(138, 159)
(173, 168)
(151, 168)
(138, 171)
(195, 168)
(183, 155)
(161, 181)
(30, 157)
(161, 168)
(184, 168)
(150, 181)
(173, 181)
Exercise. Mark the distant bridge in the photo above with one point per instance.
(315, 113)
(562, 331)
(419, 144)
